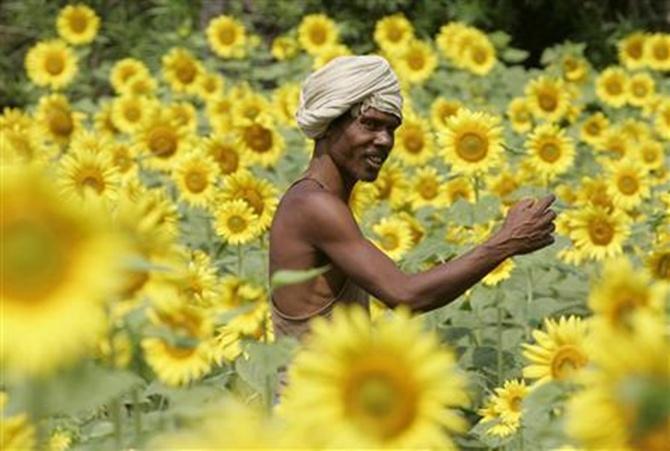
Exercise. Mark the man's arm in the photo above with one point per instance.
(330, 227)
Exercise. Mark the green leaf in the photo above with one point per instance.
(284, 277)
(512, 55)
(259, 368)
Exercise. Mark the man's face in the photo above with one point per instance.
(361, 145)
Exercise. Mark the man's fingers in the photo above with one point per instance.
(544, 203)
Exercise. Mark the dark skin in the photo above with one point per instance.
(313, 227)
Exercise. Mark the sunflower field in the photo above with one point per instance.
(138, 188)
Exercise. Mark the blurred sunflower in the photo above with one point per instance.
(480, 56)
(614, 143)
(559, 351)
(59, 266)
(181, 70)
(219, 113)
(551, 151)
(598, 233)
(593, 191)
(414, 144)
(51, 63)
(391, 184)
(641, 87)
(416, 62)
(249, 106)
(459, 188)
(548, 99)
(286, 99)
(503, 184)
(503, 408)
(77, 24)
(593, 127)
(327, 54)
(363, 384)
(611, 87)
(427, 188)
(17, 432)
(441, 110)
(259, 194)
(651, 154)
(317, 32)
(260, 141)
(227, 37)
(57, 120)
(628, 184)
(84, 173)
(209, 85)
(124, 70)
(658, 263)
(575, 69)
(222, 148)
(195, 176)
(160, 140)
(129, 111)
(184, 114)
(657, 51)
(284, 47)
(472, 142)
(236, 222)
(631, 50)
(393, 32)
(394, 237)
(501, 272)
(662, 119)
(519, 115)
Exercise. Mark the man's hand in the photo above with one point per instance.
(528, 226)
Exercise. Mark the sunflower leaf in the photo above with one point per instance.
(285, 277)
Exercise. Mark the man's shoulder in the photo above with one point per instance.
(315, 208)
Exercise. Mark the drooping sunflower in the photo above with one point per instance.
(628, 184)
(472, 142)
(631, 50)
(611, 87)
(520, 115)
(599, 233)
(317, 32)
(182, 70)
(227, 37)
(593, 127)
(236, 222)
(391, 184)
(57, 120)
(195, 175)
(393, 32)
(394, 237)
(414, 141)
(258, 193)
(129, 111)
(427, 189)
(77, 24)
(363, 384)
(559, 351)
(59, 266)
(260, 141)
(657, 51)
(548, 98)
(441, 110)
(416, 62)
(51, 63)
(641, 87)
(222, 148)
(124, 70)
(551, 151)
(86, 173)
(161, 140)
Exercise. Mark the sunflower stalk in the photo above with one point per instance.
(115, 408)
(529, 300)
(499, 333)
(137, 414)
(239, 260)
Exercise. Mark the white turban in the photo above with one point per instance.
(342, 83)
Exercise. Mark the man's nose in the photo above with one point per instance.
(384, 139)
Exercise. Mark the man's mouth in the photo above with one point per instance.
(375, 161)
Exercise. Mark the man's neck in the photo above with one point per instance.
(325, 170)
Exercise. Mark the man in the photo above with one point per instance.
(351, 107)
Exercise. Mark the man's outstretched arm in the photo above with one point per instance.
(330, 227)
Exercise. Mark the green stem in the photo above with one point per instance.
(499, 350)
(115, 407)
(475, 182)
(239, 260)
(529, 300)
(137, 414)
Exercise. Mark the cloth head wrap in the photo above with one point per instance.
(344, 82)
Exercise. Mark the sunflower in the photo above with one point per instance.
(184, 114)
(161, 140)
(249, 106)
(448, 37)
(195, 278)
(662, 119)
(259, 194)
(657, 51)
(363, 384)
(195, 175)
(177, 365)
(472, 142)
(284, 47)
(416, 62)
(611, 87)
(393, 32)
(414, 144)
(57, 120)
(59, 265)
(51, 63)
(394, 237)
(441, 110)
(501, 272)
(503, 185)
(593, 127)
(559, 351)
(614, 143)
(182, 70)
(658, 263)
(24, 145)
(621, 291)
(286, 100)
(124, 70)
(641, 87)
(260, 141)
(17, 432)
(226, 37)
(551, 151)
(636, 130)
(460, 188)
(129, 111)
(87, 173)
(598, 233)
(236, 222)
(628, 184)
(548, 99)
(327, 54)
(227, 156)
(651, 154)
(391, 184)
(317, 32)
(209, 86)
(88, 141)
(427, 189)
(575, 69)
(631, 50)
(219, 113)
(593, 191)
(361, 199)
(140, 85)
(480, 56)
(520, 115)
(503, 408)
(77, 24)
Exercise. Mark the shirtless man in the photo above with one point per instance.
(313, 225)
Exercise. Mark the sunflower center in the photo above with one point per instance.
(548, 102)
(179, 352)
(380, 401)
(186, 72)
(625, 305)
(384, 187)
(649, 154)
(258, 138)
(593, 129)
(132, 113)
(228, 159)
(471, 147)
(521, 116)
(634, 49)
(134, 280)
(428, 189)
(196, 181)
(566, 361)
(60, 122)
(254, 199)
(390, 241)
(601, 232)
(54, 63)
(78, 23)
(515, 403)
(479, 55)
(236, 224)
(394, 33)
(227, 35)
(640, 90)
(416, 60)
(93, 179)
(614, 87)
(459, 193)
(317, 35)
(413, 143)
(661, 51)
(628, 185)
(34, 260)
(162, 142)
(550, 152)
(122, 160)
